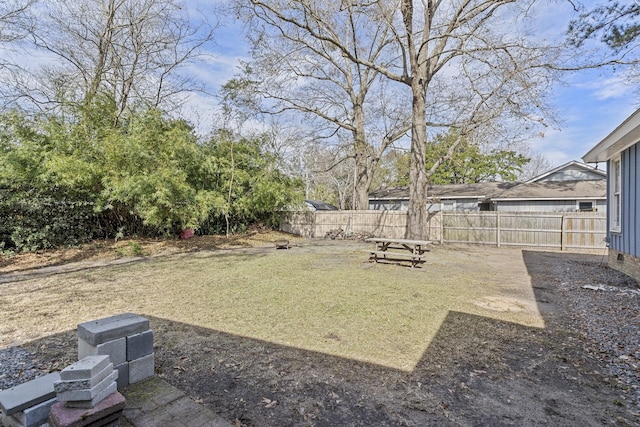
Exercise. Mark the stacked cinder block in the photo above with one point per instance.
(87, 382)
(126, 339)
(28, 404)
(87, 395)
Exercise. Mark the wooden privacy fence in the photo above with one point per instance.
(560, 231)
(550, 230)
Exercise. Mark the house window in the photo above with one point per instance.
(616, 195)
(585, 206)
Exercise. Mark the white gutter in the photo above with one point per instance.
(623, 137)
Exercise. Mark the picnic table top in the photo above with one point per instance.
(400, 241)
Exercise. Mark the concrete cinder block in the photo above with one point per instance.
(35, 416)
(61, 415)
(87, 404)
(91, 393)
(123, 375)
(110, 328)
(83, 384)
(141, 369)
(28, 394)
(84, 369)
(139, 345)
(115, 349)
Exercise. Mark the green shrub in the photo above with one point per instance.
(31, 221)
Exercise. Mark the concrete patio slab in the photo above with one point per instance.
(155, 402)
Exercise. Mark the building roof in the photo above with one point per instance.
(320, 206)
(623, 137)
(555, 190)
(570, 171)
(481, 190)
(503, 191)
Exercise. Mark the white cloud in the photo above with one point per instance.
(611, 87)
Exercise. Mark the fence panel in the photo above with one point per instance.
(471, 227)
(583, 231)
(390, 224)
(530, 229)
(548, 230)
(299, 223)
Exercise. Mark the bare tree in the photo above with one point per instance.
(325, 176)
(537, 164)
(130, 50)
(298, 68)
(14, 26)
(466, 70)
(463, 66)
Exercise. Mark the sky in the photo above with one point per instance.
(591, 106)
(590, 103)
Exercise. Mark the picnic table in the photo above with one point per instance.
(404, 249)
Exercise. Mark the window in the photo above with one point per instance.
(585, 206)
(616, 195)
(484, 206)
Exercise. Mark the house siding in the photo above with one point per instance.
(572, 174)
(547, 206)
(627, 241)
(389, 205)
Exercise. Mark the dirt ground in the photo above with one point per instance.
(581, 368)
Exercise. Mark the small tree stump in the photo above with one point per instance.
(282, 244)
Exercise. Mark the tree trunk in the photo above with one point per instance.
(361, 191)
(103, 53)
(417, 209)
(418, 59)
(361, 148)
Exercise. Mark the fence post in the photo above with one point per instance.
(498, 228)
(315, 224)
(441, 227)
(562, 233)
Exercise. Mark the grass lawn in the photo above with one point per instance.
(319, 296)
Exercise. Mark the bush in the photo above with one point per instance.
(31, 222)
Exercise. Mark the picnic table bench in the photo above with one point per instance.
(410, 250)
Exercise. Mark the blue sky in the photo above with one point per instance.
(592, 105)
(589, 103)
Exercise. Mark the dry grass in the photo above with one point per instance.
(101, 250)
(317, 296)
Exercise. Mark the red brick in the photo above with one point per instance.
(61, 416)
